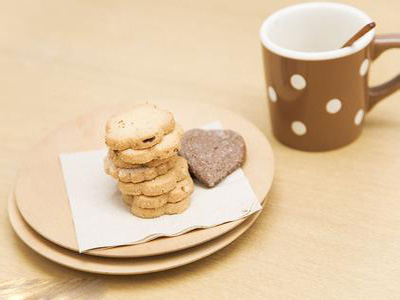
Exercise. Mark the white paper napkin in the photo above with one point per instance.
(102, 219)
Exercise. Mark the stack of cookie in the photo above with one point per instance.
(143, 156)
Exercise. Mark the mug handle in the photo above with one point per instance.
(382, 43)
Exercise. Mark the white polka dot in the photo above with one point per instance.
(359, 117)
(364, 67)
(299, 128)
(298, 82)
(272, 94)
(333, 106)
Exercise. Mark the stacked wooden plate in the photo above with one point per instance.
(40, 213)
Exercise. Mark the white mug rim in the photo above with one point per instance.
(323, 55)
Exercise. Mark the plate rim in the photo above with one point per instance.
(29, 235)
(111, 251)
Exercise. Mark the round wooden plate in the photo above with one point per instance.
(42, 198)
(118, 266)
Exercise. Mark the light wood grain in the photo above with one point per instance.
(331, 225)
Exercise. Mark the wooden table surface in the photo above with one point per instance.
(331, 227)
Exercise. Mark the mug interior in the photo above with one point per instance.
(315, 30)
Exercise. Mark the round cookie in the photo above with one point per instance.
(141, 128)
(139, 174)
(167, 209)
(182, 190)
(127, 201)
(159, 185)
(168, 147)
(151, 164)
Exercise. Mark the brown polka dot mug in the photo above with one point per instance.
(318, 92)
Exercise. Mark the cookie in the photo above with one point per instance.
(159, 185)
(168, 147)
(127, 200)
(151, 164)
(138, 174)
(213, 154)
(142, 127)
(182, 190)
(167, 209)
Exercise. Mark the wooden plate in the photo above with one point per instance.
(118, 266)
(42, 198)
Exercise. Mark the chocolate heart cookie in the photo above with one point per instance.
(213, 154)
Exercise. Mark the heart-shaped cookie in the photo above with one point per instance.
(213, 154)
